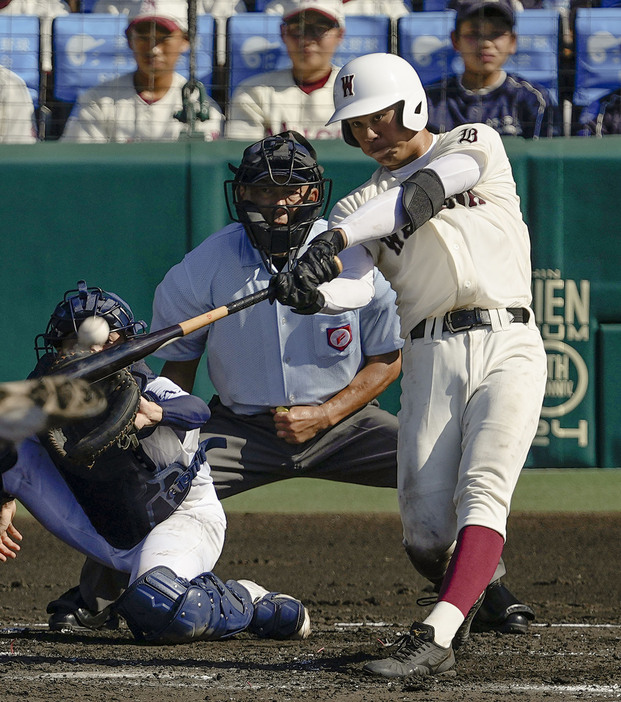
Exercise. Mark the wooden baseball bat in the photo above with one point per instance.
(104, 363)
(99, 365)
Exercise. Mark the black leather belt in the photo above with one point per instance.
(462, 320)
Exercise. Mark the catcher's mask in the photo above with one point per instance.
(283, 161)
(79, 304)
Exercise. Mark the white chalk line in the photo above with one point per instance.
(22, 628)
(148, 678)
(345, 625)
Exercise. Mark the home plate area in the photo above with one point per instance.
(360, 589)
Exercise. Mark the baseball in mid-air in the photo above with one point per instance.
(93, 331)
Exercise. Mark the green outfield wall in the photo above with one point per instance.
(119, 216)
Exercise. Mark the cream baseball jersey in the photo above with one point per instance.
(114, 112)
(270, 103)
(17, 122)
(474, 253)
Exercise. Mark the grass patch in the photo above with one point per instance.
(538, 490)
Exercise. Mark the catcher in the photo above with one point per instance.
(131, 488)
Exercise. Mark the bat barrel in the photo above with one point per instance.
(99, 365)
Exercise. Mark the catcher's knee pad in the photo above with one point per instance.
(278, 616)
(160, 607)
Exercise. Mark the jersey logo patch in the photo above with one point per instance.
(347, 83)
(339, 338)
(470, 135)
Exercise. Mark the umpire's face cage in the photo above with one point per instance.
(283, 162)
(76, 306)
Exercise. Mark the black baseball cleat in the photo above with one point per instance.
(501, 611)
(416, 654)
(463, 633)
(69, 613)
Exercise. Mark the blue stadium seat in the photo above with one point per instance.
(254, 44)
(435, 5)
(598, 53)
(424, 40)
(19, 49)
(88, 49)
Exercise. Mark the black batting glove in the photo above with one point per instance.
(290, 291)
(298, 288)
(329, 243)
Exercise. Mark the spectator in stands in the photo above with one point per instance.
(220, 10)
(297, 98)
(601, 117)
(393, 8)
(485, 37)
(17, 123)
(141, 106)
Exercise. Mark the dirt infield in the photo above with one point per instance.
(360, 590)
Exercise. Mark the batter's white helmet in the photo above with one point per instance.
(371, 83)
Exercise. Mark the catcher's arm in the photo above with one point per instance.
(149, 414)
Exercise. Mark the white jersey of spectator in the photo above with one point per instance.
(220, 9)
(114, 112)
(17, 124)
(272, 102)
(393, 8)
(39, 8)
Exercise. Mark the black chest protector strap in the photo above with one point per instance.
(423, 196)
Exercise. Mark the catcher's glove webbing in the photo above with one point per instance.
(81, 442)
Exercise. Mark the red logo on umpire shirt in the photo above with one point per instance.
(340, 338)
(347, 83)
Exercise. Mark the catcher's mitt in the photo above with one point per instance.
(29, 406)
(82, 442)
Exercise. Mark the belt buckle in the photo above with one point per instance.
(457, 327)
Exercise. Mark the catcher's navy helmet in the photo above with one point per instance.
(76, 306)
(284, 160)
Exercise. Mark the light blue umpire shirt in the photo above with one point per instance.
(267, 355)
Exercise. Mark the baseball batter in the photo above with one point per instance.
(146, 507)
(441, 219)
